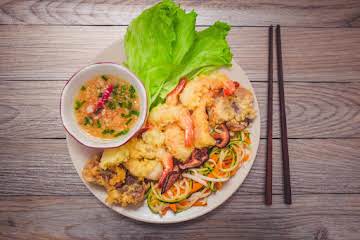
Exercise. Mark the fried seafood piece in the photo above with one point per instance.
(109, 178)
(236, 111)
(132, 192)
(164, 115)
(204, 88)
(175, 143)
(139, 155)
(154, 137)
(198, 157)
(144, 161)
(144, 168)
(202, 137)
(92, 172)
(171, 112)
(168, 163)
(113, 157)
(122, 188)
(138, 149)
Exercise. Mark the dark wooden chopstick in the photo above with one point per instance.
(284, 137)
(268, 175)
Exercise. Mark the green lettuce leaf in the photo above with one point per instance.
(162, 46)
(184, 27)
(209, 51)
(185, 34)
(149, 42)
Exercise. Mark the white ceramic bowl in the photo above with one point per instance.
(73, 86)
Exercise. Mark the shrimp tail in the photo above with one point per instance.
(145, 128)
(230, 88)
(170, 179)
(172, 97)
(189, 136)
(163, 177)
(168, 164)
(188, 125)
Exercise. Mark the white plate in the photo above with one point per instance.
(80, 154)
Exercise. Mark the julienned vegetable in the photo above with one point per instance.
(162, 46)
(197, 184)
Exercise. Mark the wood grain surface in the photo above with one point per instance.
(43, 42)
(321, 55)
(325, 216)
(310, 55)
(308, 13)
(54, 47)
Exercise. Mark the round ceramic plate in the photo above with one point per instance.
(80, 154)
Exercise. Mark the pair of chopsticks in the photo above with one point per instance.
(284, 138)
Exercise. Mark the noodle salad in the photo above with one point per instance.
(196, 184)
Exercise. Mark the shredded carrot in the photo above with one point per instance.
(216, 173)
(200, 204)
(183, 203)
(173, 207)
(211, 175)
(196, 187)
(247, 139)
(173, 191)
(226, 165)
(218, 185)
(233, 172)
(246, 157)
(164, 211)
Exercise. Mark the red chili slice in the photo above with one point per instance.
(104, 98)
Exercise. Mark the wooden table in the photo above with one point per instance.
(43, 42)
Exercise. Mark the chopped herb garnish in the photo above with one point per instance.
(79, 104)
(108, 131)
(115, 90)
(98, 123)
(104, 77)
(111, 105)
(126, 115)
(123, 89)
(128, 121)
(132, 92)
(88, 120)
(83, 88)
(129, 105)
(123, 132)
(132, 89)
(132, 112)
